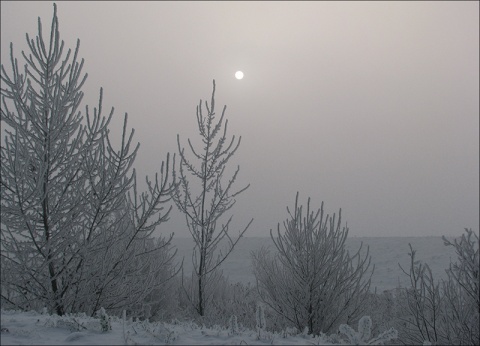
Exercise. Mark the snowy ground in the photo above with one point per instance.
(31, 328)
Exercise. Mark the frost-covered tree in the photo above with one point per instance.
(462, 291)
(205, 209)
(443, 311)
(421, 308)
(312, 280)
(75, 233)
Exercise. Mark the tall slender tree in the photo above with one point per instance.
(204, 211)
(75, 234)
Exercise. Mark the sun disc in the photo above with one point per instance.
(239, 74)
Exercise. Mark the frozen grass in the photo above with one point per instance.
(27, 328)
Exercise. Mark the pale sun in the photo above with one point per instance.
(239, 74)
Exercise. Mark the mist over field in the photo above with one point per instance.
(386, 252)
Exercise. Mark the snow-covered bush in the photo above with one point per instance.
(161, 304)
(312, 280)
(419, 313)
(261, 323)
(79, 322)
(159, 332)
(227, 299)
(105, 320)
(462, 291)
(381, 307)
(364, 333)
(289, 331)
(233, 325)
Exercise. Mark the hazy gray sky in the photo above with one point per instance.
(372, 107)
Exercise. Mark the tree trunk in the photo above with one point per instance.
(200, 308)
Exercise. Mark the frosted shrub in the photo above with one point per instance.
(260, 317)
(233, 325)
(261, 324)
(462, 291)
(105, 320)
(381, 307)
(362, 336)
(227, 299)
(447, 311)
(68, 322)
(73, 322)
(421, 304)
(312, 280)
(289, 332)
(156, 332)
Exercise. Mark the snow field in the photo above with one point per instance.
(27, 328)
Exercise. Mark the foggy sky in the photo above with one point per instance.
(369, 107)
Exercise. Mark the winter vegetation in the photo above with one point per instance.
(312, 280)
(204, 211)
(80, 264)
(76, 233)
(447, 311)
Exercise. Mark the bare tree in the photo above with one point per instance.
(420, 311)
(74, 230)
(312, 280)
(462, 291)
(204, 210)
(443, 311)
